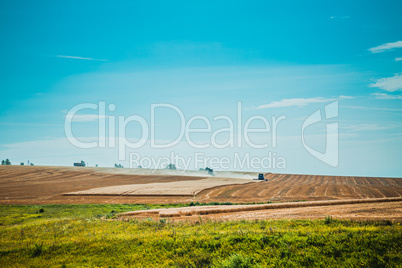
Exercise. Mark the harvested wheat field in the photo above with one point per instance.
(354, 209)
(67, 185)
(77, 185)
(291, 187)
(176, 188)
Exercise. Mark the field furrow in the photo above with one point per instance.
(49, 185)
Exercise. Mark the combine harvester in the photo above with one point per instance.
(261, 177)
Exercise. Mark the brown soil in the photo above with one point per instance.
(287, 187)
(46, 185)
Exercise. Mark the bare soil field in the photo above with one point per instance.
(48, 185)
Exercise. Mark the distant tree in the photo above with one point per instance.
(139, 166)
(22, 163)
(171, 166)
(32, 164)
(3, 162)
(8, 163)
(83, 163)
(118, 166)
(96, 165)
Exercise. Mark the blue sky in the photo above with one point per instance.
(276, 58)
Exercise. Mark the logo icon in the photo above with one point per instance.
(330, 156)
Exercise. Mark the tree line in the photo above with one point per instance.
(7, 162)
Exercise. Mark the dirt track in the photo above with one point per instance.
(355, 209)
(46, 185)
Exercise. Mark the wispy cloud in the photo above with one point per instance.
(390, 84)
(366, 127)
(385, 96)
(343, 97)
(373, 108)
(78, 58)
(398, 59)
(299, 102)
(386, 47)
(85, 117)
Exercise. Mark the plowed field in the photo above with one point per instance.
(48, 185)
(286, 187)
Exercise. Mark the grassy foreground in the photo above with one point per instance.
(76, 236)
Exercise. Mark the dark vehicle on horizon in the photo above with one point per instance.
(81, 164)
(261, 177)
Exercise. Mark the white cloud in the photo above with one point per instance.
(385, 96)
(86, 117)
(342, 97)
(78, 58)
(398, 59)
(292, 102)
(299, 102)
(366, 127)
(390, 84)
(386, 47)
(373, 108)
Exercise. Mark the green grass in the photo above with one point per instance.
(75, 236)
(24, 214)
